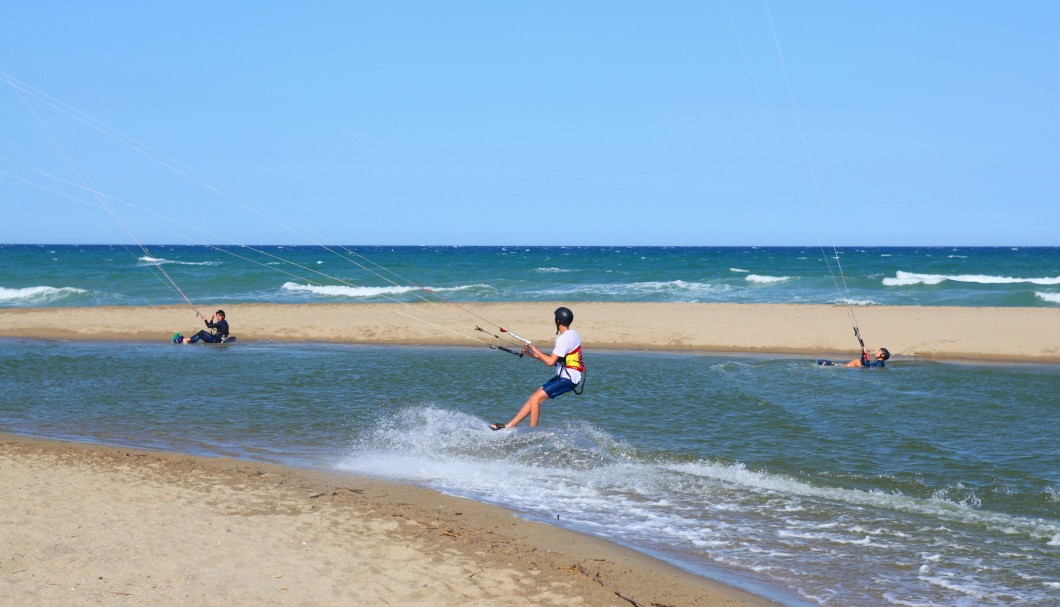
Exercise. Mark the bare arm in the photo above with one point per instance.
(548, 359)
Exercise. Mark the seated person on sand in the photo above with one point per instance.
(879, 357)
(219, 331)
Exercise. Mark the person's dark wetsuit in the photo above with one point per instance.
(875, 364)
(220, 332)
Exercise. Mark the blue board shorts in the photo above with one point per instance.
(557, 385)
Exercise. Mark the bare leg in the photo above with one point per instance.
(531, 408)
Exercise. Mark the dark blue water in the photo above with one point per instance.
(70, 275)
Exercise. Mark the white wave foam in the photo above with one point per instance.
(1049, 297)
(962, 586)
(766, 280)
(365, 292)
(938, 506)
(157, 261)
(345, 291)
(549, 270)
(847, 301)
(589, 469)
(903, 279)
(41, 294)
(748, 519)
(741, 270)
(678, 290)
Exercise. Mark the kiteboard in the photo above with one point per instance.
(178, 338)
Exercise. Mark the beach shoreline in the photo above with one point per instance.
(117, 526)
(925, 332)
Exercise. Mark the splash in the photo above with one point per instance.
(711, 516)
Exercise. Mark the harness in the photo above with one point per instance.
(215, 328)
(573, 360)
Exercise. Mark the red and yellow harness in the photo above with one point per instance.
(573, 360)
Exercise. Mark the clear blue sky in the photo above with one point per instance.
(565, 123)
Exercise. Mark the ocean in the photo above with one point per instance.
(925, 484)
(93, 275)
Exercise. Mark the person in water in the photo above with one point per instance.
(879, 357)
(218, 330)
(566, 357)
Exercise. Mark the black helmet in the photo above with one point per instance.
(564, 316)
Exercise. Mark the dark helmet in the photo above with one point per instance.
(885, 353)
(220, 313)
(564, 316)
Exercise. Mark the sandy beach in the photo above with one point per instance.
(941, 333)
(85, 524)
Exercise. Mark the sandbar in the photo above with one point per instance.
(929, 332)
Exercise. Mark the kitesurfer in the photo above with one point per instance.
(879, 356)
(566, 357)
(218, 330)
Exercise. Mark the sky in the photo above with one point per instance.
(701, 123)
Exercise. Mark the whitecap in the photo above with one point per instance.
(676, 290)
(157, 261)
(902, 279)
(37, 295)
(367, 292)
(766, 280)
(848, 301)
(345, 291)
(1049, 297)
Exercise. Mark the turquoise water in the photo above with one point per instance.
(71, 275)
(922, 484)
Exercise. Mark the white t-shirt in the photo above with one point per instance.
(565, 343)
